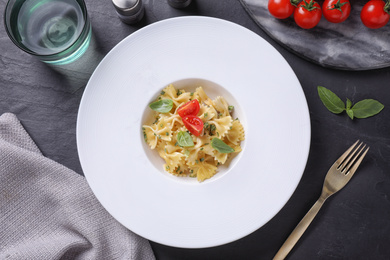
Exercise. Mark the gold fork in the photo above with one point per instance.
(336, 178)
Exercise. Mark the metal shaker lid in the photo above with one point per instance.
(127, 7)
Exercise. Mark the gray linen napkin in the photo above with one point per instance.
(47, 211)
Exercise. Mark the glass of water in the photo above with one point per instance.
(57, 32)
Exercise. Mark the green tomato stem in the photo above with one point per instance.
(310, 6)
(386, 8)
(295, 2)
(337, 6)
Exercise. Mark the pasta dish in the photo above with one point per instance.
(193, 133)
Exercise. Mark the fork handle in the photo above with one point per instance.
(299, 229)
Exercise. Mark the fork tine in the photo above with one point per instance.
(348, 166)
(346, 153)
(356, 165)
(347, 161)
(343, 165)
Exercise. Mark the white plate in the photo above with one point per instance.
(228, 60)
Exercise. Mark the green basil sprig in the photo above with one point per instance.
(220, 146)
(362, 109)
(162, 106)
(184, 139)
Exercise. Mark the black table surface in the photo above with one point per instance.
(353, 224)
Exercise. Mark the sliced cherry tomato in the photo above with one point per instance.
(190, 108)
(336, 11)
(282, 9)
(308, 14)
(194, 124)
(375, 14)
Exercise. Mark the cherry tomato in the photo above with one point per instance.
(375, 14)
(282, 9)
(336, 11)
(194, 124)
(190, 108)
(308, 14)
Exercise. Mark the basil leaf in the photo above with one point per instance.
(220, 146)
(162, 106)
(350, 113)
(332, 102)
(367, 108)
(184, 139)
(348, 108)
(349, 103)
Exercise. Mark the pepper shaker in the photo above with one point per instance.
(179, 3)
(129, 11)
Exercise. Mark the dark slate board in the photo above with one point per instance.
(348, 45)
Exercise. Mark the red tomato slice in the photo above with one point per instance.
(194, 124)
(191, 108)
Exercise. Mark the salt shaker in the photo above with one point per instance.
(129, 11)
(179, 3)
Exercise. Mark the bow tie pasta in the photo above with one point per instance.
(188, 152)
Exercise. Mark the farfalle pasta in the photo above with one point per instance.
(187, 153)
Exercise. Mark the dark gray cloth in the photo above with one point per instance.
(47, 211)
